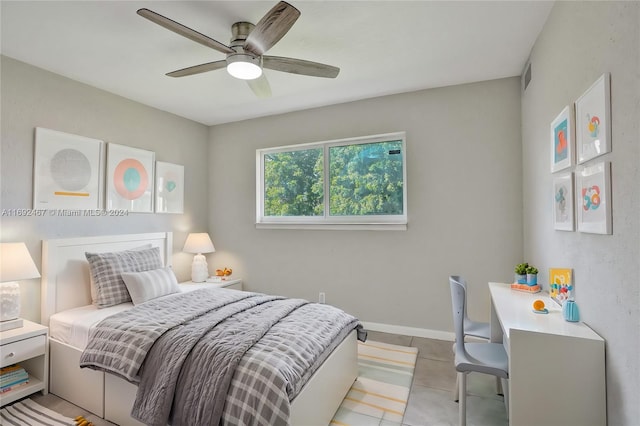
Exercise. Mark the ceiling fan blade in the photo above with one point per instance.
(183, 31)
(271, 28)
(197, 69)
(299, 66)
(260, 86)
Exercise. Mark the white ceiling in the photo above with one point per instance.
(382, 47)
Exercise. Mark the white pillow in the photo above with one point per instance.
(148, 285)
(94, 289)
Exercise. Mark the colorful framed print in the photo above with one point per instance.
(129, 179)
(563, 202)
(560, 284)
(169, 188)
(593, 120)
(594, 198)
(67, 171)
(562, 140)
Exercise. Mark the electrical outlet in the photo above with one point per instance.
(321, 297)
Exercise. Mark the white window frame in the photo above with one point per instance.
(369, 222)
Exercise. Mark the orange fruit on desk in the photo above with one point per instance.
(538, 305)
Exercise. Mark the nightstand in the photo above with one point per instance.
(234, 284)
(29, 347)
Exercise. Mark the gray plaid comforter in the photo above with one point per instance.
(213, 356)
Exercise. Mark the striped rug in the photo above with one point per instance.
(28, 413)
(379, 394)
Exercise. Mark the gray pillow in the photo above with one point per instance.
(94, 292)
(106, 271)
(148, 285)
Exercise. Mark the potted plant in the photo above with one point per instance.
(532, 275)
(521, 273)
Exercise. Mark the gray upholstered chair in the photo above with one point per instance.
(487, 358)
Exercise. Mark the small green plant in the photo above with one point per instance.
(532, 270)
(521, 268)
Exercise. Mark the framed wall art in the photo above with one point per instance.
(560, 284)
(169, 188)
(129, 178)
(67, 171)
(563, 213)
(562, 140)
(593, 186)
(593, 120)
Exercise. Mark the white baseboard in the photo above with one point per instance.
(409, 331)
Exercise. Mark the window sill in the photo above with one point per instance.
(335, 226)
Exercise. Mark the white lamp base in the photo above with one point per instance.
(10, 324)
(199, 269)
(9, 301)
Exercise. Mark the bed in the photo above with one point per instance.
(65, 288)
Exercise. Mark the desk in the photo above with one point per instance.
(556, 368)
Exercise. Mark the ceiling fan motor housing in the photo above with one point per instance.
(239, 32)
(242, 64)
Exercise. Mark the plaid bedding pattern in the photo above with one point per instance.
(259, 394)
(119, 344)
(187, 370)
(106, 270)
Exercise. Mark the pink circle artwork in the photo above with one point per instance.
(130, 179)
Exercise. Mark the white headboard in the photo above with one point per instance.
(65, 271)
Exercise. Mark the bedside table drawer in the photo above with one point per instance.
(22, 350)
(234, 286)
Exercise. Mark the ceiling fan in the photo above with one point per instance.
(246, 52)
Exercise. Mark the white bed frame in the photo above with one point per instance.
(65, 285)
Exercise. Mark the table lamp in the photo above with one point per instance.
(199, 243)
(15, 264)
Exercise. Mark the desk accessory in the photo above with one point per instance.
(532, 275)
(538, 307)
(570, 311)
(560, 285)
(521, 273)
(526, 288)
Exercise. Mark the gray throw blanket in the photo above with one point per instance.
(191, 345)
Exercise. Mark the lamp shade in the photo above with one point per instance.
(16, 263)
(198, 243)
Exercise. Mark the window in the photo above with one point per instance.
(349, 183)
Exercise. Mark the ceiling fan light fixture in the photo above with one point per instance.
(243, 66)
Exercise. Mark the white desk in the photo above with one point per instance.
(556, 368)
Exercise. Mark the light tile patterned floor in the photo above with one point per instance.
(430, 402)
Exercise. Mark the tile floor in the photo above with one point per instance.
(430, 401)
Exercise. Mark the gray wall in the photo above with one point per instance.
(32, 97)
(464, 206)
(581, 41)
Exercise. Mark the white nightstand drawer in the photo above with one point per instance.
(235, 284)
(22, 350)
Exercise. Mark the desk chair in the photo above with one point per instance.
(472, 328)
(487, 358)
